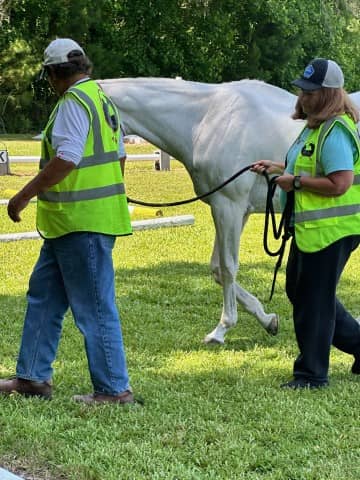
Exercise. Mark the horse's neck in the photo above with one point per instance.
(165, 112)
(160, 130)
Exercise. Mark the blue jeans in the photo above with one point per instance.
(77, 271)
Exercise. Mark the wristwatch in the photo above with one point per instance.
(297, 182)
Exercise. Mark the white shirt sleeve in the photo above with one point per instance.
(70, 131)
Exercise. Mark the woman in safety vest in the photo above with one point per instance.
(322, 174)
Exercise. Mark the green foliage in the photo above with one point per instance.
(201, 40)
(18, 70)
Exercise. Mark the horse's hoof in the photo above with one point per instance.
(213, 340)
(273, 327)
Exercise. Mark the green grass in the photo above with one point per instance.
(211, 412)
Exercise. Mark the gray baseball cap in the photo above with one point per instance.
(58, 50)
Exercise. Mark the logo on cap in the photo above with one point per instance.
(309, 71)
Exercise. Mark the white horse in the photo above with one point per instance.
(355, 97)
(215, 130)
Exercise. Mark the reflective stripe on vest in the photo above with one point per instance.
(90, 194)
(321, 220)
(327, 213)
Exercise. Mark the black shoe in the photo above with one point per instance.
(300, 383)
(356, 366)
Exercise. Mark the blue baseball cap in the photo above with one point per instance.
(320, 73)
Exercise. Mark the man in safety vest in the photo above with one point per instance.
(322, 172)
(81, 209)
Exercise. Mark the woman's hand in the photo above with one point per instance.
(285, 182)
(267, 165)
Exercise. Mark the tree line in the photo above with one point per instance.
(201, 40)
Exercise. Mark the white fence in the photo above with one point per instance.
(161, 158)
(31, 159)
(150, 224)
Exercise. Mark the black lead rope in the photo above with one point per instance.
(283, 229)
(269, 213)
(193, 199)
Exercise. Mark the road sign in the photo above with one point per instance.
(4, 162)
(4, 158)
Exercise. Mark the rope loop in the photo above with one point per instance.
(283, 230)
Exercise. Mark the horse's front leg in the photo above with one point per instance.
(224, 263)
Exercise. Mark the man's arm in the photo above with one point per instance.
(54, 171)
(122, 164)
(122, 151)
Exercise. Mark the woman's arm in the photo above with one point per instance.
(334, 185)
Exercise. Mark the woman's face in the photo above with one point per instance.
(309, 100)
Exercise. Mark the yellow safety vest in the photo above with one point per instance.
(92, 197)
(320, 220)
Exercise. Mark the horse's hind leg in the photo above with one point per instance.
(218, 334)
(252, 305)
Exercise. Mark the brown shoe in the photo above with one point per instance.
(92, 398)
(28, 388)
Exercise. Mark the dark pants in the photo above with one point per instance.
(320, 320)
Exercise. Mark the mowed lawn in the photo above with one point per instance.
(210, 412)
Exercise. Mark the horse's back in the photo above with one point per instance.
(220, 126)
(246, 121)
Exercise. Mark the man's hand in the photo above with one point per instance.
(122, 164)
(16, 204)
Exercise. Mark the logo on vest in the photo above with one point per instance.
(308, 149)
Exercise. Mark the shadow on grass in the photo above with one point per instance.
(176, 304)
